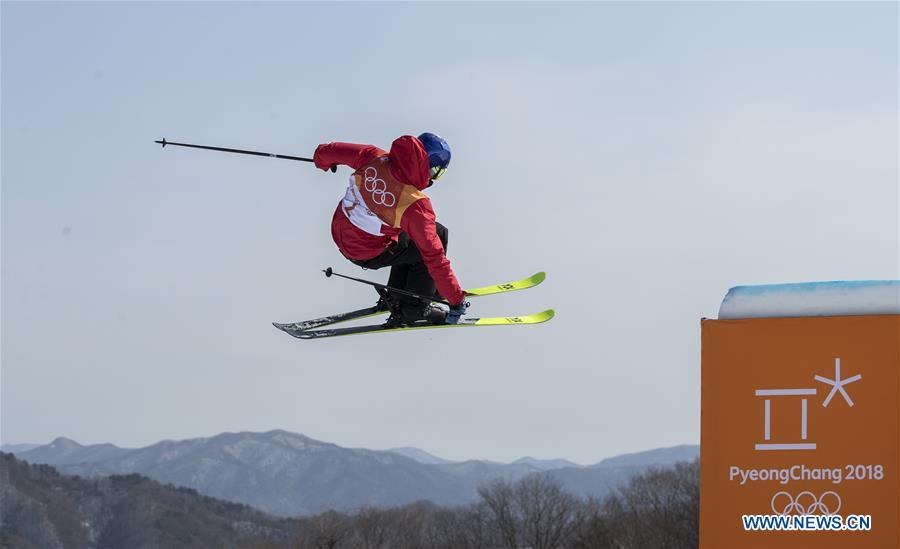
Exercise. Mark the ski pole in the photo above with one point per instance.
(329, 272)
(239, 151)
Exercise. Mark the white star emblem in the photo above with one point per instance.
(837, 384)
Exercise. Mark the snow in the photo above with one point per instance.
(837, 298)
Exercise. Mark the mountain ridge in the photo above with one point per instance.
(290, 474)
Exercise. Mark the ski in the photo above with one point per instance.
(328, 320)
(464, 323)
(516, 285)
(523, 284)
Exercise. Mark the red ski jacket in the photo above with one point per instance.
(408, 164)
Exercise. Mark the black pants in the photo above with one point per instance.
(408, 270)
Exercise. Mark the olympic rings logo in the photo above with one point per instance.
(806, 503)
(378, 188)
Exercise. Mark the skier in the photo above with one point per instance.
(384, 220)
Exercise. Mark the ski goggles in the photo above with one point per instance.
(437, 172)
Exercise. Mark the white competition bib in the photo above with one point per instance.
(354, 207)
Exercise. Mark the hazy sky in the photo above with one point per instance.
(647, 156)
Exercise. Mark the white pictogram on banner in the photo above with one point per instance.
(804, 406)
(837, 384)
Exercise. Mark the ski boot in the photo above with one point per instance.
(411, 314)
(386, 302)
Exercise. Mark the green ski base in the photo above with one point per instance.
(464, 323)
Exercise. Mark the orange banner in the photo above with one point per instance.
(800, 416)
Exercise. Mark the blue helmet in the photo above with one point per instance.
(438, 153)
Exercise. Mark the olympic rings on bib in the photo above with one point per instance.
(378, 188)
